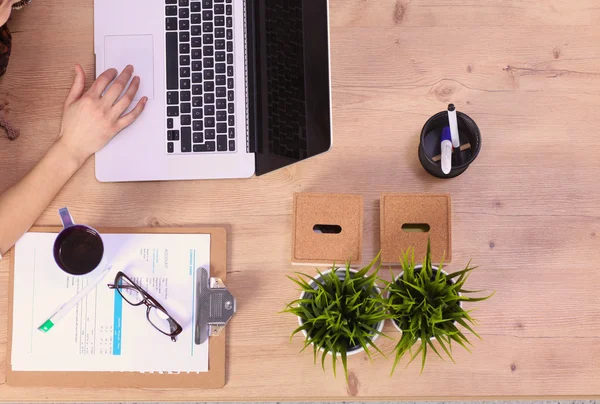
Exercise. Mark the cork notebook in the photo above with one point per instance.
(408, 220)
(327, 228)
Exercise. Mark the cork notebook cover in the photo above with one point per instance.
(327, 228)
(214, 378)
(409, 220)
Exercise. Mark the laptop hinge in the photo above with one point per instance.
(252, 86)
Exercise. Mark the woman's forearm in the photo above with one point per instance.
(24, 202)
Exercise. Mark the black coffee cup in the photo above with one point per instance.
(78, 249)
(431, 137)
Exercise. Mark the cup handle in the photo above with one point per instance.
(65, 217)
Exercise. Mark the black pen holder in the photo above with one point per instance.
(430, 145)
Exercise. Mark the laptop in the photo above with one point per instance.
(235, 87)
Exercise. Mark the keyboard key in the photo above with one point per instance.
(207, 3)
(207, 39)
(184, 37)
(184, 60)
(196, 66)
(184, 25)
(230, 95)
(231, 133)
(170, 147)
(209, 98)
(171, 10)
(186, 140)
(219, 9)
(184, 13)
(198, 137)
(219, 21)
(186, 96)
(197, 54)
(170, 123)
(209, 134)
(172, 98)
(186, 108)
(221, 92)
(171, 24)
(198, 113)
(196, 19)
(184, 3)
(172, 111)
(229, 22)
(184, 72)
(231, 120)
(198, 125)
(207, 27)
(197, 78)
(196, 42)
(220, 80)
(209, 110)
(209, 86)
(231, 108)
(172, 135)
(209, 74)
(229, 46)
(208, 51)
(222, 128)
(230, 58)
(222, 117)
(210, 146)
(209, 63)
(195, 7)
(229, 34)
(186, 120)
(232, 145)
(197, 90)
(220, 68)
(220, 56)
(219, 32)
(172, 66)
(229, 10)
(196, 30)
(222, 143)
(210, 123)
(230, 71)
(197, 102)
(171, 2)
(220, 44)
(185, 84)
(200, 148)
(207, 15)
(230, 83)
(184, 48)
(221, 104)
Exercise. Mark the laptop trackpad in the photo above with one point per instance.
(136, 50)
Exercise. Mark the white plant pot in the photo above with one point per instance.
(419, 267)
(356, 350)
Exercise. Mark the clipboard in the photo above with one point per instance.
(213, 379)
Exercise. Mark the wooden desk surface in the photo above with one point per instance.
(527, 211)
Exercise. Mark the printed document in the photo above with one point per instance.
(104, 332)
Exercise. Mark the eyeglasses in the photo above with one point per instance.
(156, 314)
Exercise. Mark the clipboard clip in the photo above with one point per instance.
(215, 306)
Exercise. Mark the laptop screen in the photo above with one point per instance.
(292, 101)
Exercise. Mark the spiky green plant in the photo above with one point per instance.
(339, 315)
(426, 303)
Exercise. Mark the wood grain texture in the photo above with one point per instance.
(527, 211)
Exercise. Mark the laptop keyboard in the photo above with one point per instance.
(200, 108)
(285, 78)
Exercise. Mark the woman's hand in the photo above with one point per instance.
(92, 119)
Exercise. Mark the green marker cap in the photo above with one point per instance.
(46, 326)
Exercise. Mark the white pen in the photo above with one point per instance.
(453, 126)
(446, 147)
(68, 306)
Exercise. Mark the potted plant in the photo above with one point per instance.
(341, 312)
(426, 306)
